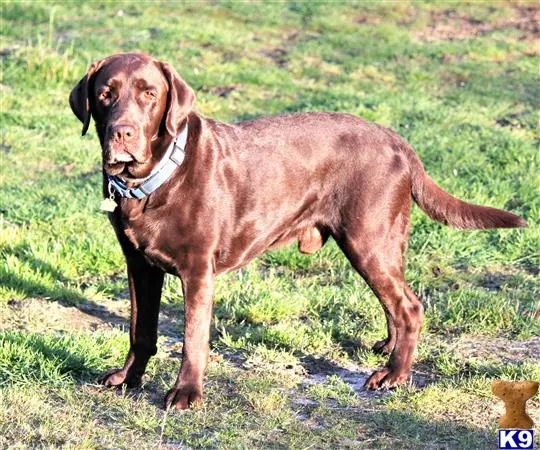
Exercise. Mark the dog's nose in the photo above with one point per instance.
(123, 132)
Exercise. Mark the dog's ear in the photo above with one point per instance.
(79, 97)
(180, 99)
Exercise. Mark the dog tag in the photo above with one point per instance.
(108, 205)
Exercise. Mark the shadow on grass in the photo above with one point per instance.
(61, 294)
(401, 429)
(48, 358)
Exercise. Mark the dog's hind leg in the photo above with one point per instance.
(385, 346)
(374, 244)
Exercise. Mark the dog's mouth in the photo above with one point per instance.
(114, 169)
(119, 160)
(128, 170)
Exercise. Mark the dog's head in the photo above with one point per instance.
(137, 103)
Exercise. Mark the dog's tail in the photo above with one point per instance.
(449, 210)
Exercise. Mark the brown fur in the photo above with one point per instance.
(248, 187)
(447, 209)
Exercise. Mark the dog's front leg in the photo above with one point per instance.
(145, 284)
(198, 288)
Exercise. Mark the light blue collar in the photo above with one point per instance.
(171, 160)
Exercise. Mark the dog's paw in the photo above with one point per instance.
(386, 379)
(384, 347)
(117, 377)
(184, 397)
(113, 377)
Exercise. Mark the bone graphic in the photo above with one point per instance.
(515, 394)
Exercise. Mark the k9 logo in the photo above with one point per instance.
(516, 439)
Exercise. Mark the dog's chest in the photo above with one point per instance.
(147, 238)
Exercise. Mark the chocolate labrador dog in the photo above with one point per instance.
(196, 198)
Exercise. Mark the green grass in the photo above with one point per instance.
(292, 333)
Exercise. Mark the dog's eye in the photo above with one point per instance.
(149, 95)
(104, 95)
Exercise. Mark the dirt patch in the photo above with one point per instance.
(296, 36)
(366, 20)
(8, 51)
(223, 91)
(509, 276)
(450, 25)
(494, 281)
(5, 149)
(278, 54)
(510, 120)
(498, 349)
(319, 369)
(37, 314)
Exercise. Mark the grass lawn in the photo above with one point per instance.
(292, 334)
